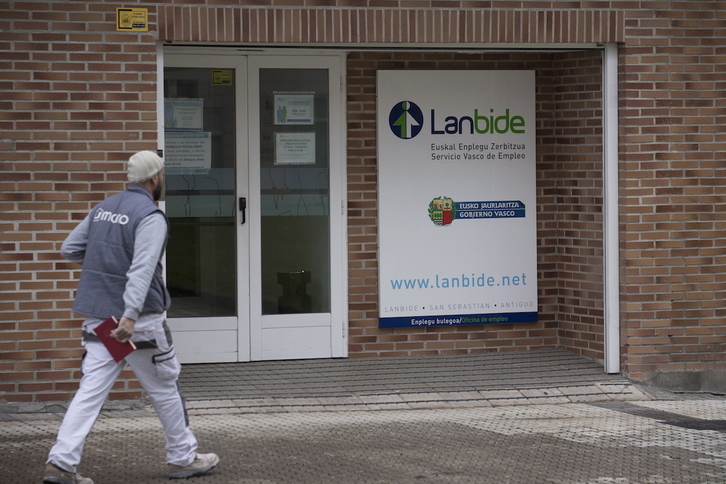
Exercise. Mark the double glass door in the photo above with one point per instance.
(254, 177)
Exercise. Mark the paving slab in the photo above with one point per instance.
(623, 442)
(543, 416)
(477, 380)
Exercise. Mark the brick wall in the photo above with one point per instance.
(673, 209)
(553, 136)
(352, 23)
(77, 97)
(577, 107)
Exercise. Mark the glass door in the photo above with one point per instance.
(206, 257)
(254, 158)
(294, 190)
(296, 160)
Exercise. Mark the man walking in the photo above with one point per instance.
(120, 244)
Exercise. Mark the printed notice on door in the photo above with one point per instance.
(188, 152)
(294, 148)
(294, 108)
(184, 114)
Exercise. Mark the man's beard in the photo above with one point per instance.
(157, 192)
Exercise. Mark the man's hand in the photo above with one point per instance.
(124, 330)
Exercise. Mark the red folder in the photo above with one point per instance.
(118, 350)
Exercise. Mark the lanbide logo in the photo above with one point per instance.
(406, 120)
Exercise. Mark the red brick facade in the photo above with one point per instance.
(78, 97)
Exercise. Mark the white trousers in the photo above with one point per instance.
(157, 370)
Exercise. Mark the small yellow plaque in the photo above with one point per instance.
(132, 19)
(222, 78)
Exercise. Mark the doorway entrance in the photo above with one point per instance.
(253, 147)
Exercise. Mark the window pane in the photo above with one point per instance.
(295, 209)
(200, 191)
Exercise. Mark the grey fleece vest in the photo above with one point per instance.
(109, 253)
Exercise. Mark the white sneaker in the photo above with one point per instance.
(54, 475)
(202, 464)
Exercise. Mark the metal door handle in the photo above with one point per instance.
(242, 208)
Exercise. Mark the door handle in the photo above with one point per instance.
(242, 208)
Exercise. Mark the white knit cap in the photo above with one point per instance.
(143, 165)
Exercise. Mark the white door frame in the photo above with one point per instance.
(220, 340)
(337, 319)
(231, 339)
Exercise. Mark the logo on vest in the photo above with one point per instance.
(102, 215)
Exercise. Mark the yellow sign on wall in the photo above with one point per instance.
(132, 19)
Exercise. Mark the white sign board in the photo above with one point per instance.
(457, 227)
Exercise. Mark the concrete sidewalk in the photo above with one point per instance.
(635, 442)
(489, 379)
(543, 416)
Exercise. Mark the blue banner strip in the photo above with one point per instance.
(457, 320)
(463, 214)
